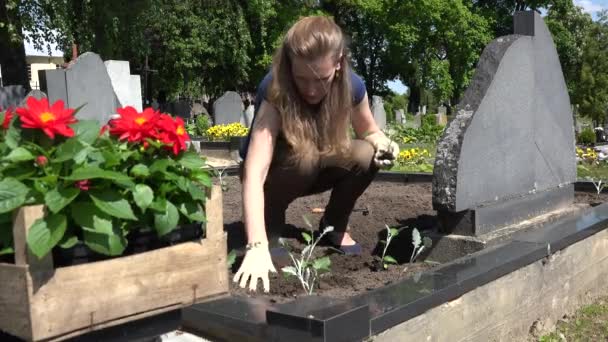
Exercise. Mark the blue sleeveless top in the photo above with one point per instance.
(358, 89)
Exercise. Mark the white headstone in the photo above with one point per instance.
(126, 86)
(378, 111)
(400, 116)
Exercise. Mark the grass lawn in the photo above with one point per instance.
(590, 323)
(596, 172)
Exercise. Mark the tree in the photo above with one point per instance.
(592, 92)
(569, 26)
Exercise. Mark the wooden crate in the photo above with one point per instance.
(40, 302)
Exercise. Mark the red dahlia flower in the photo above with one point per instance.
(134, 126)
(51, 120)
(173, 133)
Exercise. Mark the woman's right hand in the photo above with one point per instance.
(256, 265)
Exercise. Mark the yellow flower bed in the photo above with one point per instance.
(224, 132)
(413, 156)
(587, 155)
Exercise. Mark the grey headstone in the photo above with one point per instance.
(441, 119)
(247, 117)
(378, 111)
(424, 110)
(228, 108)
(11, 96)
(400, 116)
(52, 82)
(127, 87)
(512, 134)
(35, 94)
(86, 83)
(198, 109)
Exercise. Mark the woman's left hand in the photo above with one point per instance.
(387, 150)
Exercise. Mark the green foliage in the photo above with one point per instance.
(306, 268)
(96, 188)
(392, 102)
(586, 137)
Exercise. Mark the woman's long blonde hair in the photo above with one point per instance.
(312, 134)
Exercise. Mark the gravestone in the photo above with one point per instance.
(442, 110)
(11, 96)
(228, 108)
(424, 110)
(441, 119)
(400, 116)
(126, 86)
(247, 117)
(378, 111)
(35, 94)
(84, 83)
(417, 122)
(198, 109)
(508, 155)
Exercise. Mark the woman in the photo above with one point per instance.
(300, 144)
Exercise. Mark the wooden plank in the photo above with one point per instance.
(214, 213)
(103, 291)
(14, 301)
(23, 220)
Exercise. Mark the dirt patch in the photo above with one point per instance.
(393, 204)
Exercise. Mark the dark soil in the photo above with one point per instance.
(393, 204)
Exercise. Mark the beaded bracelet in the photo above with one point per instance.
(253, 245)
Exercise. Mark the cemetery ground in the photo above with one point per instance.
(590, 323)
(387, 203)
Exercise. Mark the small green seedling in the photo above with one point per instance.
(419, 243)
(390, 234)
(305, 268)
(599, 186)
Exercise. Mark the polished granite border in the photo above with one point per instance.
(318, 318)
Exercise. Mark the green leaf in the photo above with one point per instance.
(143, 196)
(394, 232)
(161, 165)
(191, 160)
(321, 264)
(107, 240)
(92, 172)
(13, 135)
(67, 150)
(56, 200)
(306, 237)
(290, 270)
(192, 211)
(86, 131)
(19, 154)
(197, 193)
(68, 241)
(183, 183)
(202, 177)
(389, 259)
(231, 258)
(416, 239)
(140, 170)
(12, 194)
(111, 158)
(167, 221)
(112, 203)
(159, 204)
(45, 233)
(83, 213)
